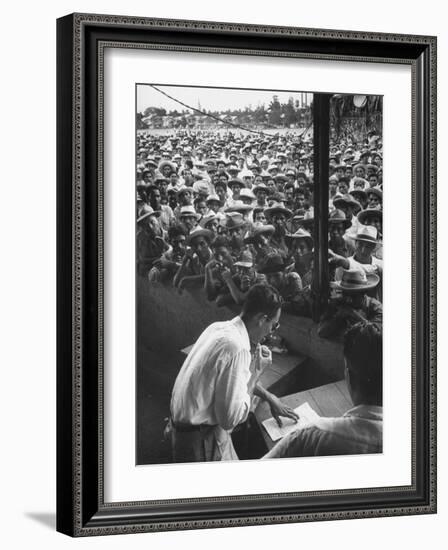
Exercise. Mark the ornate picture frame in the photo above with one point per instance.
(81, 507)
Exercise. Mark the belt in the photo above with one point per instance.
(184, 427)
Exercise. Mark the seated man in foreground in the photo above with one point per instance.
(360, 430)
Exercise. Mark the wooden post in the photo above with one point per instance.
(321, 122)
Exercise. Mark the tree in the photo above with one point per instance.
(275, 111)
(290, 113)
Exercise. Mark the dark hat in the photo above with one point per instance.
(184, 189)
(338, 216)
(365, 214)
(356, 280)
(165, 163)
(360, 193)
(375, 191)
(274, 263)
(278, 208)
(346, 200)
(260, 187)
(201, 232)
(236, 181)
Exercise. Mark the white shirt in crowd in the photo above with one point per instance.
(212, 386)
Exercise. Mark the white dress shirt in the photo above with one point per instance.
(212, 385)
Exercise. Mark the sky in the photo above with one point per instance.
(214, 99)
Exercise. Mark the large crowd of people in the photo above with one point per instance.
(226, 210)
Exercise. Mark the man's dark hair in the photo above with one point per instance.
(176, 230)
(199, 199)
(220, 241)
(363, 349)
(262, 298)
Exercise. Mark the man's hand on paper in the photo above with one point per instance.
(279, 409)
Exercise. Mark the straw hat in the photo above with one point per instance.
(278, 207)
(356, 280)
(300, 234)
(259, 229)
(367, 233)
(365, 214)
(338, 216)
(188, 211)
(200, 232)
(147, 211)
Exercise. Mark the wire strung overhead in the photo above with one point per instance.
(210, 115)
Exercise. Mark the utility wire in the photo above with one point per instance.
(209, 115)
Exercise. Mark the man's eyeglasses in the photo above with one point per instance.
(275, 326)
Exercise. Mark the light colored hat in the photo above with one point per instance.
(201, 186)
(212, 198)
(207, 218)
(233, 168)
(367, 233)
(247, 194)
(239, 206)
(188, 211)
(147, 211)
(245, 259)
(356, 280)
(234, 220)
(301, 234)
(246, 174)
(259, 229)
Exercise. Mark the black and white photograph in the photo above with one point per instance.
(259, 266)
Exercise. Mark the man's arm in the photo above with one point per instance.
(210, 282)
(278, 408)
(236, 293)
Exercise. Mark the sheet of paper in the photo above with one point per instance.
(306, 415)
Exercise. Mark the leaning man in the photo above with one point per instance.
(215, 386)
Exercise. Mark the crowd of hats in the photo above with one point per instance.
(244, 180)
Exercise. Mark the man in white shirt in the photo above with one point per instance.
(214, 388)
